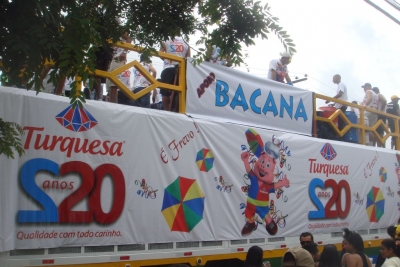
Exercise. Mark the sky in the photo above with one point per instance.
(346, 37)
(349, 38)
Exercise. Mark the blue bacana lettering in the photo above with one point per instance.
(286, 108)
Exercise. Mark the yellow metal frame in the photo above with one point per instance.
(192, 260)
(360, 125)
(181, 88)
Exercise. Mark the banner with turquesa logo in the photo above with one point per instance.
(224, 94)
(108, 174)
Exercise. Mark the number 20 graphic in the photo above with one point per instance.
(327, 212)
(90, 187)
(177, 48)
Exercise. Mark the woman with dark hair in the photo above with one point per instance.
(390, 252)
(329, 257)
(354, 246)
(254, 257)
(313, 249)
(391, 230)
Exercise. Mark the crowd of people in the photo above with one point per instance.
(351, 254)
(161, 98)
(373, 99)
(110, 60)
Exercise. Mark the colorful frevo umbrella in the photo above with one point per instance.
(183, 204)
(382, 174)
(205, 160)
(255, 142)
(375, 204)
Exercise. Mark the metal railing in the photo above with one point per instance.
(360, 126)
(181, 89)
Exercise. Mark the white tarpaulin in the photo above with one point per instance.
(111, 174)
(219, 93)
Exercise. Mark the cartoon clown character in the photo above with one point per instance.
(262, 184)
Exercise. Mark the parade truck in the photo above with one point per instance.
(240, 165)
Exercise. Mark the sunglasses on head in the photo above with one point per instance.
(305, 242)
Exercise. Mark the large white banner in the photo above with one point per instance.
(220, 93)
(114, 174)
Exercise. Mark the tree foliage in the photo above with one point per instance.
(70, 31)
(10, 133)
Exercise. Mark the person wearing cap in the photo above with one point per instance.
(298, 257)
(278, 70)
(393, 108)
(341, 93)
(381, 107)
(370, 101)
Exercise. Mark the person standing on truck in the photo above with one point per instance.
(341, 93)
(139, 83)
(393, 108)
(119, 60)
(370, 101)
(157, 99)
(213, 55)
(278, 70)
(381, 107)
(177, 47)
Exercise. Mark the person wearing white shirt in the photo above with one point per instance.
(381, 107)
(341, 93)
(177, 47)
(68, 86)
(370, 101)
(140, 83)
(213, 56)
(119, 60)
(278, 70)
(390, 251)
(157, 99)
(366, 123)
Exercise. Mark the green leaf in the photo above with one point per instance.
(64, 64)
